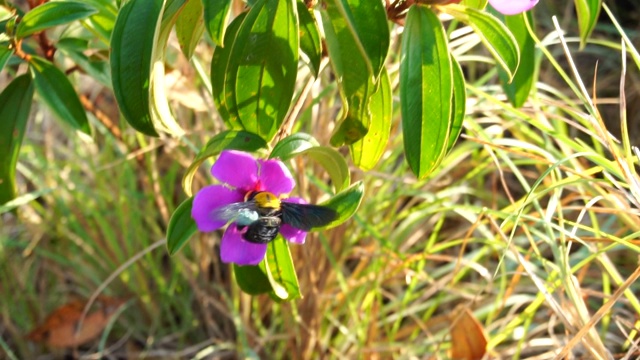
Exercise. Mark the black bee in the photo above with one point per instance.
(263, 213)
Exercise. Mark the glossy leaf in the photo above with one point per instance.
(227, 140)
(588, 12)
(459, 101)
(353, 68)
(310, 42)
(15, 103)
(52, 14)
(331, 160)
(216, 16)
(252, 279)
(190, 27)
(520, 87)
(476, 4)
(221, 77)
(263, 66)
(345, 203)
(367, 151)
(55, 90)
(495, 36)
(426, 90)
(181, 227)
(132, 46)
(281, 271)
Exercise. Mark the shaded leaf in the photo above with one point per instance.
(263, 66)
(227, 140)
(98, 69)
(51, 14)
(425, 90)
(5, 54)
(293, 145)
(15, 104)
(181, 227)
(55, 90)
(310, 43)
(468, 340)
(61, 327)
(367, 151)
(252, 279)
(520, 87)
(190, 27)
(216, 16)
(345, 203)
(132, 46)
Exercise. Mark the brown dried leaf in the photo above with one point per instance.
(468, 340)
(60, 329)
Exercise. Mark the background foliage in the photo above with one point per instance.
(529, 222)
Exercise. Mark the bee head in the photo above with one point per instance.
(266, 199)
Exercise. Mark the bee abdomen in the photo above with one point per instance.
(263, 230)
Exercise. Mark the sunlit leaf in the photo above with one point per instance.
(426, 90)
(367, 151)
(181, 227)
(520, 87)
(5, 54)
(459, 101)
(227, 140)
(588, 12)
(55, 90)
(495, 36)
(281, 271)
(15, 103)
(52, 14)
(98, 69)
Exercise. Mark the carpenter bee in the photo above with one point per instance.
(263, 213)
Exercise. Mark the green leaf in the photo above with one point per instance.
(97, 68)
(181, 227)
(221, 77)
(345, 203)
(476, 4)
(216, 16)
(15, 103)
(495, 36)
(56, 91)
(281, 272)
(351, 48)
(310, 43)
(51, 14)
(426, 90)
(520, 87)
(190, 27)
(252, 279)
(263, 66)
(330, 159)
(459, 103)
(588, 12)
(5, 54)
(367, 151)
(132, 46)
(227, 140)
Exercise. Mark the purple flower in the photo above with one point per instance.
(242, 175)
(512, 7)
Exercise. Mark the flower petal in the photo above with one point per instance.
(512, 7)
(207, 200)
(275, 177)
(236, 168)
(235, 249)
(292, 234)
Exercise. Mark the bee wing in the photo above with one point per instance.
(243, 213)
(306, 216)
